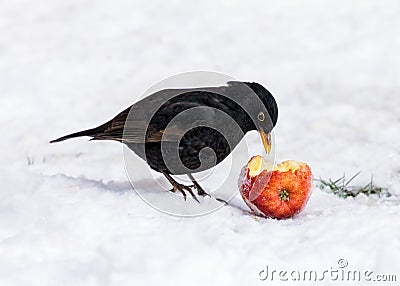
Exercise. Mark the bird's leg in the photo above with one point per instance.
(200, 190)
(182, 188)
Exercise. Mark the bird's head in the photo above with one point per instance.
(264, 115)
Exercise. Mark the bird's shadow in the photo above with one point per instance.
(125, 187)
(120, 187)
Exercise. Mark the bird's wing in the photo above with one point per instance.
(154, 121)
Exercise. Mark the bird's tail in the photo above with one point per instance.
(89, 132)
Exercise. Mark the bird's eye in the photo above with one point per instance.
(261, 116)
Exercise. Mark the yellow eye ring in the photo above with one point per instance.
(261, 116)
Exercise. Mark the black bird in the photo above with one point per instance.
(184, 131)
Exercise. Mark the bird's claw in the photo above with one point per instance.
(203, 193)
(200, 190)
(182, 188)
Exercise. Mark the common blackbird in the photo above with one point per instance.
(184, 131)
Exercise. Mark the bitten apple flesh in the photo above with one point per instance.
(278, 193)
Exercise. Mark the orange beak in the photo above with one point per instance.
(266, 140)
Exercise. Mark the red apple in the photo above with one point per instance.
(278, 193)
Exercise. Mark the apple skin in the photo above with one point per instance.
(280, 193)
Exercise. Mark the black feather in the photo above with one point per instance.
(146, 125)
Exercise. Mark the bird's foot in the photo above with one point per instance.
(200, 190)
(202, 193)
(183, 189)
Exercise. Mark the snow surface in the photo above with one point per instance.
(68, 215)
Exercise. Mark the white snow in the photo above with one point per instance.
(68, 215)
